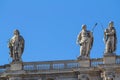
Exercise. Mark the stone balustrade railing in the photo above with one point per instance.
(96, 62)
(56, 65)
(51, 65)
(4, 68)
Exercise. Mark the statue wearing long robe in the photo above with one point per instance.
(16, 46)
(85, 40)
(110, 38)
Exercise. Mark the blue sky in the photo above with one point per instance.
(50, 27)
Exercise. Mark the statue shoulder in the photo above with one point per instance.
(12, 39)
(79, 35)
(114, 29)
(90, 33)
(21, 37)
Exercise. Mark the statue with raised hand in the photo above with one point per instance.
(85, 40)
(16, 46)
(110, 38)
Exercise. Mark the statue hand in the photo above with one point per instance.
(81, 43)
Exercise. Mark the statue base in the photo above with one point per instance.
(16, 66)
(109, 54)
(82, 58)
(109, 58)
(84, 61)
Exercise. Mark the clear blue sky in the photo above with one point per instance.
(50, 27)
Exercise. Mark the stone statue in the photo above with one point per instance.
(16, 46)
(85, 40)
(110, 38)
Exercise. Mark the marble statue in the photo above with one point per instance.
(85, 40)
(110, 38)
(16, 46)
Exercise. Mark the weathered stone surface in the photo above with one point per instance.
(16, 66)
(109, 59)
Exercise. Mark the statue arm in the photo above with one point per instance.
(22, 43)
(110, 33)
(9, 44)
(10, 47)
(105, 35)
(78, 38)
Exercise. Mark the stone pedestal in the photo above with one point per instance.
(84, 62)
(16, 66)
(109, 59)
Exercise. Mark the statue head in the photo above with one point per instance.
(16, 32)
(111, 24)
(84, 27)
